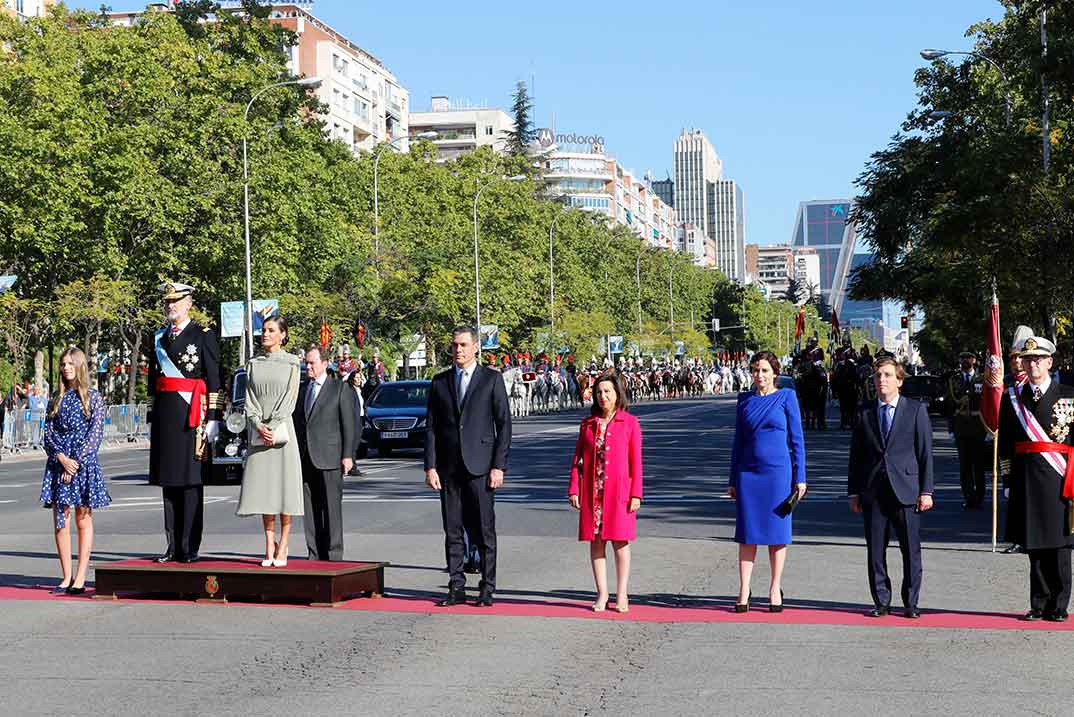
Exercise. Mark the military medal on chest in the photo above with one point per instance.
(1062, 416)
(189, 358)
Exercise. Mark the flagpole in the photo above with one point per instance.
(995, 486)
(995, 434)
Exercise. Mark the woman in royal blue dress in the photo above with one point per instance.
(73, 479)
(767, 464)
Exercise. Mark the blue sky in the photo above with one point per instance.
(793, 94)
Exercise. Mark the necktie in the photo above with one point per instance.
(1037, 393)
(885, 424)
(464, 383)
(311, 397)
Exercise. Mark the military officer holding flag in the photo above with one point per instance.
(1035, 435)
(184, 381)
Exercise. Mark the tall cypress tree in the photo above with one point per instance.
(519, 138)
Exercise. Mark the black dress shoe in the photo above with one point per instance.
(1013, 548)
(483, 600)
(879, 611)
(1057, 616)
(454, 597)
(912, 613)
(1033, 615)
(59, 590)
(75, 591)
(190, 558)
(166, 558)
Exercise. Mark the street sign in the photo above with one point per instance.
(715, 326)
(490, 336)
(616, 344)
(233, 317)
(680, 347)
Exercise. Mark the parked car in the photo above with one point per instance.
(395, 417)
(228, 452)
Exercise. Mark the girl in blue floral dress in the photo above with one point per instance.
(73, 476)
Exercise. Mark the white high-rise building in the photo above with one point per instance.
(697, 166)
(726, 209)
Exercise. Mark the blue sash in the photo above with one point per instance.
(167, 367)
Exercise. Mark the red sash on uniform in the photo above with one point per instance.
(195, 386)
(1048, 447)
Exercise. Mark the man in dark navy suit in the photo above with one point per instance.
(467, 443)
(890, 482)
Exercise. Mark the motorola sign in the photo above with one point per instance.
(546, 137)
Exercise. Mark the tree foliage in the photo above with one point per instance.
(123, 169)
(523, 133)
(951, 206)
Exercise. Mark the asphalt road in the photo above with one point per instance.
(167, 658)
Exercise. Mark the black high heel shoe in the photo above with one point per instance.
(777, 608)
(744, 607)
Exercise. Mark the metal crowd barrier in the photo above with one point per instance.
(24, 428)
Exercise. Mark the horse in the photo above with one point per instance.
(517, 392)
(556, 390)
(812, 387)
(846, 388)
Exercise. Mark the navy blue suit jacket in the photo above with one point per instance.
(904, 459)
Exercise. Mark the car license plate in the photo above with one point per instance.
(393, 434)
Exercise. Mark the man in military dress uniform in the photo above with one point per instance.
(964, 393)
(184, 381)
(1035, 435)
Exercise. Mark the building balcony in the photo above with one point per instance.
(454, 136)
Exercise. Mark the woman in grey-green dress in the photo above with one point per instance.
(272, 479)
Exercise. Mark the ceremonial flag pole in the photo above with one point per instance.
(991, 395)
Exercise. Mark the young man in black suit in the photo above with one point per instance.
(890, 481)
(467, 443)
(325, 429)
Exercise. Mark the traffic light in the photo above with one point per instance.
(905, 322)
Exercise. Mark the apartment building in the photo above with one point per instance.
(366, 104)
(26, 8)
(461, 128)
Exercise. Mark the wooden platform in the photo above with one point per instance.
(317, 583)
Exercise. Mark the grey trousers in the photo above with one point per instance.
(322, 492)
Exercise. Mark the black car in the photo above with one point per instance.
(930, 390)
(395, 416)
(228, 451)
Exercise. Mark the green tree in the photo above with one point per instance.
(523, 133)
(949, 207)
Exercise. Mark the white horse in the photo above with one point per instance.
(518, 392)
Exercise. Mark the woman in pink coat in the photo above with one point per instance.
(606, 485)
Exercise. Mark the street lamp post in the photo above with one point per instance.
(376, 185)
(305, 83)
(637, 278)
(930, 54)
(552, 280)
(477, 260)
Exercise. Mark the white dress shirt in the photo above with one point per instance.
(463, 377)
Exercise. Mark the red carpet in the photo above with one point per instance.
(638, 612)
